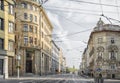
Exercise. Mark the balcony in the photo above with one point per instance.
(31, 46)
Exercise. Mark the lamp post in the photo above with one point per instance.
(18, 66)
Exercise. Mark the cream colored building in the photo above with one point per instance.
(62, 62)
(104, 50)
(33, 38)
(45, 42)
(55, 58)
(6, 37)
(64, 65)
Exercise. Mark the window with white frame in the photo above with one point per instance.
(113, 66)
(11, 10)
(11, 27)
(24, 5)
(25, 40)
(25, 27)
(112, 55)
(10, 45)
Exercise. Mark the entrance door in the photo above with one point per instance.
(29, 66)
(1, 66)
(113, 75)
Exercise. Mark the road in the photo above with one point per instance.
(63, 78)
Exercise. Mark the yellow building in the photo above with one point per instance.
(46, 43)
(6, 37)
(33, 38)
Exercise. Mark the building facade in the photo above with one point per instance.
(104, 50)
(6, 37)
(55, 58)
(33, 43)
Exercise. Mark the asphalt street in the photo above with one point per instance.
(63, 78)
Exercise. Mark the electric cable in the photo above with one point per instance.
(94, 3)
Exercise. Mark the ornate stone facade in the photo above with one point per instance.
(104, 50)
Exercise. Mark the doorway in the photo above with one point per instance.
(28, 66)
(113, 75)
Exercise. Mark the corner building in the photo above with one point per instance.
(104, 50)
(32, 43)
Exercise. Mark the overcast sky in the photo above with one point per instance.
(73, 21)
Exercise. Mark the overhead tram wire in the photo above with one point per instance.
(71, 20)
(75, 9)
(74, 23)
(101, 6)
(93, 3)
(71, 11)
(117, 9)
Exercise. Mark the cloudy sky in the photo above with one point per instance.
(73, 21)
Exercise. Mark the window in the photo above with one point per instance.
(10, 45)
(24, 5)
(1, 43)
(31, 40)
(112, 55)
(112, 41)
(35, 40)
(25, 40)
(35, 29)
(100, 40)
(31, 7)
(25, 27)
(35, 18)
(31, 17)
(100, 55)
(113, 66)
(1, 24)
(31, 28)
(36, 9)
(25, 16)
(11, 9)
(1, 5)
(11, 27)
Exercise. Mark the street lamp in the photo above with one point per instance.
(18, 65)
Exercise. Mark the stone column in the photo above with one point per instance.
(5, 74)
